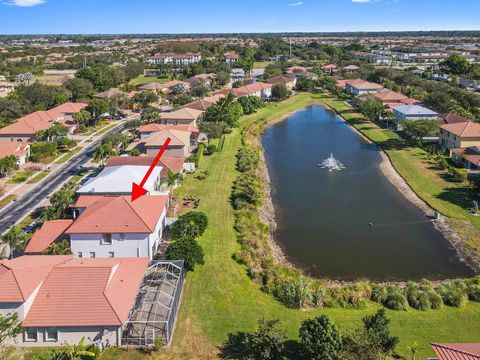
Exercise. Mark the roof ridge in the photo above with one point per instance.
(136, 213)
(105, 203)
(457, 350)
(18, 284)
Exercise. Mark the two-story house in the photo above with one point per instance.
(460, 135)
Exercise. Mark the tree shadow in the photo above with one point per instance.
(458, 196)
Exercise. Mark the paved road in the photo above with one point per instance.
(25, 204)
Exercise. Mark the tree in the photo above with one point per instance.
(250, 104)
(82, 117)
(180, 88)
(371, 108)
(54, 132)
(376, 326)
(150, 115)
(279, 92)
(416, 130)
(102, 152)
(191, 224)
(79, 88)
(226, 111)
(8, 165)
(186, 249)
(222, 78)
(58, 248)
(213, 130)
(74, 352)
(268, 341)
(14, 238)
(60, 201)
(97, 107)
(134, 153)
(246, 63)
(9, 328)
(320, 338)
(145, 98)
(25, 78)
(101, 76)
(455, 64)
(199, 90)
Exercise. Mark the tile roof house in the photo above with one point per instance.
(288, 81)
(19, 149)
(460, 135)
(358, 87)
(61, 299)
(231, 57)
(174, 164)
(330, 68)
(451, 118)
(259, 89)
(204, 79)
(148, 129)
(51, 231)
(201, 104)
(117, 180)
(468, 351)
(349, 69)
(184, 116)
(111, 94)
(114, 226)
(25, 128)
(468, 157)
(182, 143)
(412, 112)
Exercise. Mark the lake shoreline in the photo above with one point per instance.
(267, 210)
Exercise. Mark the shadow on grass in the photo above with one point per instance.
(458, 196)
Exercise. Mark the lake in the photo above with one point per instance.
(324, 219)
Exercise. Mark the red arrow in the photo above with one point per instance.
(138, 190)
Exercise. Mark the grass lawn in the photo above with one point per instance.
(142, 79)
(37, 177)
(7, 200)
(105, 129)
(68, 156)
(20, 177)
(220, 298)
(261, 64)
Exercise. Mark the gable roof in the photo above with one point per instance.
(182, 114)
(169, 163)
(363, 85)
(466, 129)
(13, 148)
(280, 80)
(87, 292)
(386, 95)
(469, 351)
(154, 127)
(414, 110)
(20, 277)
(112, 214)
(110, 94)
(49, 232)
(452, 118)
(201, 105)
(118, 180)
(177, 138)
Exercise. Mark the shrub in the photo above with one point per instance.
(199, 157)
(320, 338)
(453, 293)
(247, 190)
(186, 249)
(211, 149)
(247, 159)
(395, 299)
(379, 293)
(191, 224)
(135, 153)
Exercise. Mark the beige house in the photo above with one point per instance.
(181, 143)
(185, 116)
(460, 135)
(288, 81)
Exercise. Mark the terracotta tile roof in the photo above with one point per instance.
(330, 66)
(471, 154)
(230, 55)
(351, 67)
(13, 148)
(169, 163)
(201, 105)
(67, 108)
(119, 215)
(182, 114)
(86, 201)
(457, 351)
(177, 138)
(47, 234)
(280, 80)
(386, 95)
(20, 277)
(160, 127)
(452, 118)
(88, 292)
(466, 129)
(296, 69)
(364, 85)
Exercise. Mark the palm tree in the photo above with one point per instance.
(58, 248)
(172, 180)
(103, 151)
(14, 238)
(73, 352)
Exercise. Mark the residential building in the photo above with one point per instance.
(175, 59)
(184, 116)
(201, 104)
(412, 112)
(148, 129)
(114, 226)
(60, 299)
(468, 157)
(289, 82)
(330, 68)
(19, 149)
(50, 232)
(165, 87)
(117, 180)
(204, 79)
(259, 89)
(358, 87)
(111, 94)
(391, 99)
(168, 163)
(460, 135)
(237, 75)
(466, 351)
(293, 70)
(451, 118)
(25, 128)
(182, 143)
(350, 69)
(231, 58)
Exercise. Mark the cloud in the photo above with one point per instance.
(300, 3)
(24, 3)
(363, 1)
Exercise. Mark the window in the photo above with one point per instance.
(31, 335)
(92, 254)
(51, 335)
(122, 236)
(106, 239)
(111, 254)
(79, 254)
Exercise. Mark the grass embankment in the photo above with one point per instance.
(68, 156)
(37, 177)
(20, 177)
(440, 191)
(220, 298)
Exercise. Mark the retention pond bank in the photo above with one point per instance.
(350, 223)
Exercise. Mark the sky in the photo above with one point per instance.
(233, 16)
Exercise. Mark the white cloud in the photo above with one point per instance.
(24, 3)
(363, 1)
(300, 3)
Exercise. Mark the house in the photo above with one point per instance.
(204, 79)
(111, 94)
(391, 99)
(231, 58)
(237, 75)
(149, 129)
(256, 74)
(293, 70)
(330, 68)
(50, 232)
(307, 75)
(451, 118)
(350, 69)
(182, 143)
(259, 89)
(184, 116)
(175, 59)
(25, 128)
(19, 149)
(469, 84)
(201, 105)
(165, 87)
(466, 351)
(412, 112)
(114, 226)
(460, 135)
(289, 82)
(359, 87)
(467, 157)
(60, 299)
(117, 180)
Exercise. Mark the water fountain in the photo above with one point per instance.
(331, 164)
